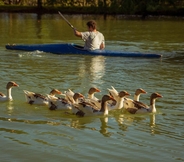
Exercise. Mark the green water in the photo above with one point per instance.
(29, 132)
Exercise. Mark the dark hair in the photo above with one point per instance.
(92, 24)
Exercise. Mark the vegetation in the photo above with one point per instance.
(141, 7)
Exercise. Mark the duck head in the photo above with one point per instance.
(11, 84)
(93, 90)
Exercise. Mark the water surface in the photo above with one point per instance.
(29, 132)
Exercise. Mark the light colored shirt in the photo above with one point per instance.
(92, 40)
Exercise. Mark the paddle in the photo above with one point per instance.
(66, 20)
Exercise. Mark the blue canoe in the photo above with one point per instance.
(70, 48)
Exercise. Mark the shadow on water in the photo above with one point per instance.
(38, 25)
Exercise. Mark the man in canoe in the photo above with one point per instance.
(93, 39)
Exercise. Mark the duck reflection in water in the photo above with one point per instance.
(83, 123)
(152, 120)
(124, 121)
(152, 123)
(10, 107)
(104, 126)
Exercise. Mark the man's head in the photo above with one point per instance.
(91, 25)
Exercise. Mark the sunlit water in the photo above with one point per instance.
(29, 132)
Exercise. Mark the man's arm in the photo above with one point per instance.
(102, 46)
(77, 33)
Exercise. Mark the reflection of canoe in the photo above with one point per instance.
(76, 49)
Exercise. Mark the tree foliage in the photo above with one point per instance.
(119, 6)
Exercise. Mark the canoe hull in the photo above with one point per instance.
(76, 49)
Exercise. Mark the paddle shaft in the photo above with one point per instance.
(66, 20)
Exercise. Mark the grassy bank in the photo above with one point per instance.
(89, 10)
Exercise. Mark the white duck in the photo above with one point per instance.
(39, 99)
(113, 92)
(129, 102)
(119, 101)
(139, 107)
(86, 109)
(9, 87)
(62, 103)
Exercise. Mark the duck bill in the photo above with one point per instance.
(81, 96)
(112, 98)
(59, 92)
(97, 90)
(127, 94)
(15, 85)
(143, 91)
(159, 96)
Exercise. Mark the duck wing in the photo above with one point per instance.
(2, 94)
(113, 92)
(87, 107)
(139, 105)
(132, 110)
(94, 103)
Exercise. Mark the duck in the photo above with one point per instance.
(8, 96)
(87, 109)
(64, 104)
(130, 102)
(39, 99)
(119, 101)
(140, 108)
(91, 93)
(113, 92)
(68, 95)
(92, 98)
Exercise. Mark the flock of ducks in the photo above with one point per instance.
(77, 104)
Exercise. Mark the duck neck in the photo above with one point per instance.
(104, 108)
(75, 100)
(52, 94)
(152, 105)
(9, 96)
(91, 96)
(136, 97)
(119, 103)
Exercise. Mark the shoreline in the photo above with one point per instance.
(91, 11)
